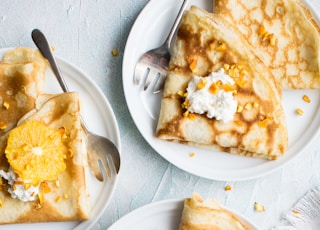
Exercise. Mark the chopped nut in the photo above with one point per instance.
(227, 188)
(295, 211)
(258, 207)
(299, 111)
(306, 98)
(115, 52)
(180, 93)
(248, 106)
(221, 47)
(186, 113)
(240, 108)
(6, 105)
(272, 40)
(226, 66)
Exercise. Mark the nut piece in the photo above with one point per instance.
(306, 98)
(299, 111)
(258, 207)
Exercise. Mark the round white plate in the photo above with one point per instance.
(100, 118)
(160, 215)
(149, 31)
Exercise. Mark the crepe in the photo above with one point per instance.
(206, 43)
(67, 199)
(283, 34)
(22, 76)
(208, 214)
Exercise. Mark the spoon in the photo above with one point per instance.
(99, 148)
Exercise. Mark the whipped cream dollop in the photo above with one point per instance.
(17, 187)
(220, 105)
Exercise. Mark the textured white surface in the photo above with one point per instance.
(84, 33)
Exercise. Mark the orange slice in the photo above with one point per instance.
(36, 152)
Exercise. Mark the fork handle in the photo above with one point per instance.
(168, 40)
(43, 45)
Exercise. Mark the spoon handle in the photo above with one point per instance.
(42, 43)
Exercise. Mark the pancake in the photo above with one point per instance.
(67, 198)
(22, 76)
(206, 44)
(283, 34)
(207, 214)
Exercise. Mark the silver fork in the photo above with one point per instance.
(153, 65)
(103, 155)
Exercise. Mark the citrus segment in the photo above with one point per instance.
(36, 152)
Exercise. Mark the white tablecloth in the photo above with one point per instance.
(84, 33)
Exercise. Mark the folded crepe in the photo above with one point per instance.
(206, 43)
(66, 198)
(22, 76)
(207, 214)
(283, 34)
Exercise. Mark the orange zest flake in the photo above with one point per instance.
(191, 155)
(306, 98)
(45, 187)
(192, 116)
(266, 36)
(58, 199)
(264, 123)
(1, 203)
(228, 188)
(213, 89)
(201, 84)
(192, 63)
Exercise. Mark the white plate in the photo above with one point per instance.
(100, 118)
(149, 31)
(160, 215)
